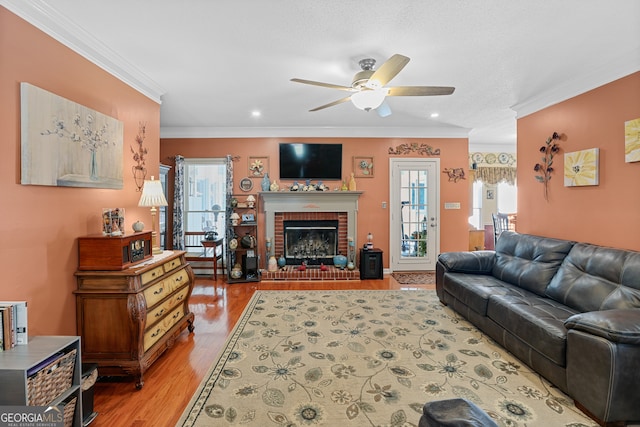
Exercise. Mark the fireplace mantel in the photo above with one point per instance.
(310, 201)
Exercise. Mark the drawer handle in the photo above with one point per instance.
(160, 313)
(179, 278)
(159, 291)
(175, 316)
(156, 333)
(153, 274)
(180, 298)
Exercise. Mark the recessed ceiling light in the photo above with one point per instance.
(256, 113)
(434, 115)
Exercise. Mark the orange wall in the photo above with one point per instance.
(607, 214)
(371, 216)
(40, 224)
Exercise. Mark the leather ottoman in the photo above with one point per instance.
(454, 413)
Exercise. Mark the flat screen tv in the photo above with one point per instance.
(301, 161)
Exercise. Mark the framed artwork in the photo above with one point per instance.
(632, 141)
(65, 144)
(246, 184)
(363, 167)
(581, 168)
(489, 194)
(258, 166)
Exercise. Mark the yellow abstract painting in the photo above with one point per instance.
(581, 168)
(632, 141)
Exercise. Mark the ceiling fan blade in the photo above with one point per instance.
(331, 104)
(329, 85)
(387, 71)
(384, 110)
(420, 90)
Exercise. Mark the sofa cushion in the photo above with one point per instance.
(537, 321)
(597, 278)
(474, 290)
(529, 261)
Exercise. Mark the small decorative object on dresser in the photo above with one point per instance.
(113, 221)
(138, 226)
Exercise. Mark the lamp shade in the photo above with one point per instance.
(152, 194)
(369, 99)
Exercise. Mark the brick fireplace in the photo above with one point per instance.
(309, 219)
(340, 206)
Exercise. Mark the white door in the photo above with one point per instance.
(414, 201)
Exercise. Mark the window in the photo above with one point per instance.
(205, 195)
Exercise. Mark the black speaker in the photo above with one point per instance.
(250, 266)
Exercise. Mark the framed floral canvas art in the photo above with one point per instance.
(67, 144)
(581, 168)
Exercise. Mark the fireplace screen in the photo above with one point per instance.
(314, 242)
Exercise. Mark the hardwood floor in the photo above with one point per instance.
(172, 380)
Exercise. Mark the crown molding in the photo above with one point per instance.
(311, 132)
(623, 66)
(42, 16)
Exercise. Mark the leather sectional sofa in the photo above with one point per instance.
(571, 311)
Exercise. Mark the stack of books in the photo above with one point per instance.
(13, 324)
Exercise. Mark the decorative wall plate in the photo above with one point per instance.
(246, 184)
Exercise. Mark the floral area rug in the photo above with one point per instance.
(365, 358)
(414, 277)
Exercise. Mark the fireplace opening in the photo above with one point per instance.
(311, 241)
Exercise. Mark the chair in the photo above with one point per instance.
(202, 253)
(500, 224)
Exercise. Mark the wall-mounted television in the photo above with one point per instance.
(301, 161)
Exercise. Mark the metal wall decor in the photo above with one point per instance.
(414, 147)
(140, 157)
(454, 174)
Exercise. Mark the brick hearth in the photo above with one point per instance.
(290, 272)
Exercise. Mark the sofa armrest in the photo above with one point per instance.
(619, 325)
(476, 262)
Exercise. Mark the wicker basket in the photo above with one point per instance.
(69, 411)
(50, 381)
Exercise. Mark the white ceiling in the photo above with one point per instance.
(211, 63)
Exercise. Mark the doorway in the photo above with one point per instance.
(414, 204)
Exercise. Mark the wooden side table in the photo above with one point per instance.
(215, 256)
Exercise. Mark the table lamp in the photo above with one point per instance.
(153, 196)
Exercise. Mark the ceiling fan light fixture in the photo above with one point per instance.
(369, 99)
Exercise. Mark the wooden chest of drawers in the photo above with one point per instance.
(128, 318)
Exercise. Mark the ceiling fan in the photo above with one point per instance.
(367, 87)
